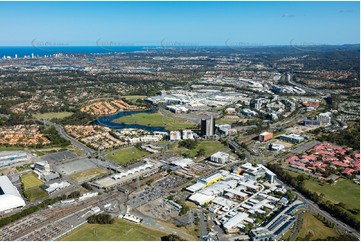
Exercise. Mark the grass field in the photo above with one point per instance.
(31, 186)
(30, 180)
(310, 224)
(155, 119)
(210, 147)
(134, 97)
(11, 148)
(59, 115)
(35, 193)
(119, 231)
(343, 190)
(87, 174)
(225, 121)
(126, 156)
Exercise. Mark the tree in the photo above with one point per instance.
(102, 218)
(188, 143)
(201, 152)
(171, 237)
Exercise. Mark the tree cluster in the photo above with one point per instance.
(102, 218)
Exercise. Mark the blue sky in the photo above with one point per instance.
(179, 23)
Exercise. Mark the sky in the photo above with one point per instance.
(178, 23)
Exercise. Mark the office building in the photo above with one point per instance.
(263, 137)
(175, 135)
(208, 127)
(220, 157)
(188, 134)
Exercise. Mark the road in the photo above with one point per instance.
(154, 224)
(203, 223)
(314, 207)
(297, 227)
(73, 141)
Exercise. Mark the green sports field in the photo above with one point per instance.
(343, 190)
(30, 180)
(156, 119)
(31, 186)
(51, 115)
(119, 231)
(126, 156)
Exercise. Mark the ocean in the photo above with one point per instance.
(22, 51)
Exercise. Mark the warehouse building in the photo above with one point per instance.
(10, 197)
(8, 158)
(127, 176)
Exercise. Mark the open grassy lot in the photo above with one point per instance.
(35, 193)
(134, 97)
(30, 180)
(155, 119)
(59, 115)
(11, 148)
(126, 156)
(119, 231)
(343, 190)
(226, 121)
(31, 186)
(310, 224)
(87, 174)
(210, 147)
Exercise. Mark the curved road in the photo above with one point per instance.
(73, 141)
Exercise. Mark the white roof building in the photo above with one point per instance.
(200, 198)
(10, 197)
(235, 221)
(226, 203)
(183, 162)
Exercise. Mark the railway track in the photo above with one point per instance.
(54, 215)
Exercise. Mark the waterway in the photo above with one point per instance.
(108, 121)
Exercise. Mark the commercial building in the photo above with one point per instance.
(177, 108)
(209, 180)
(208, 127)
(10, 197)
(8, 158)
(324, 119)
(125, 177)
(276, 147)
(278, 225)
(175, 135)
(42, 167)
(263, 137)
(183, 162)
(235, 223)
(51, 188)
(293, 138)
(226, 129)
(249, 112)
(220, 157)
(187, 134)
